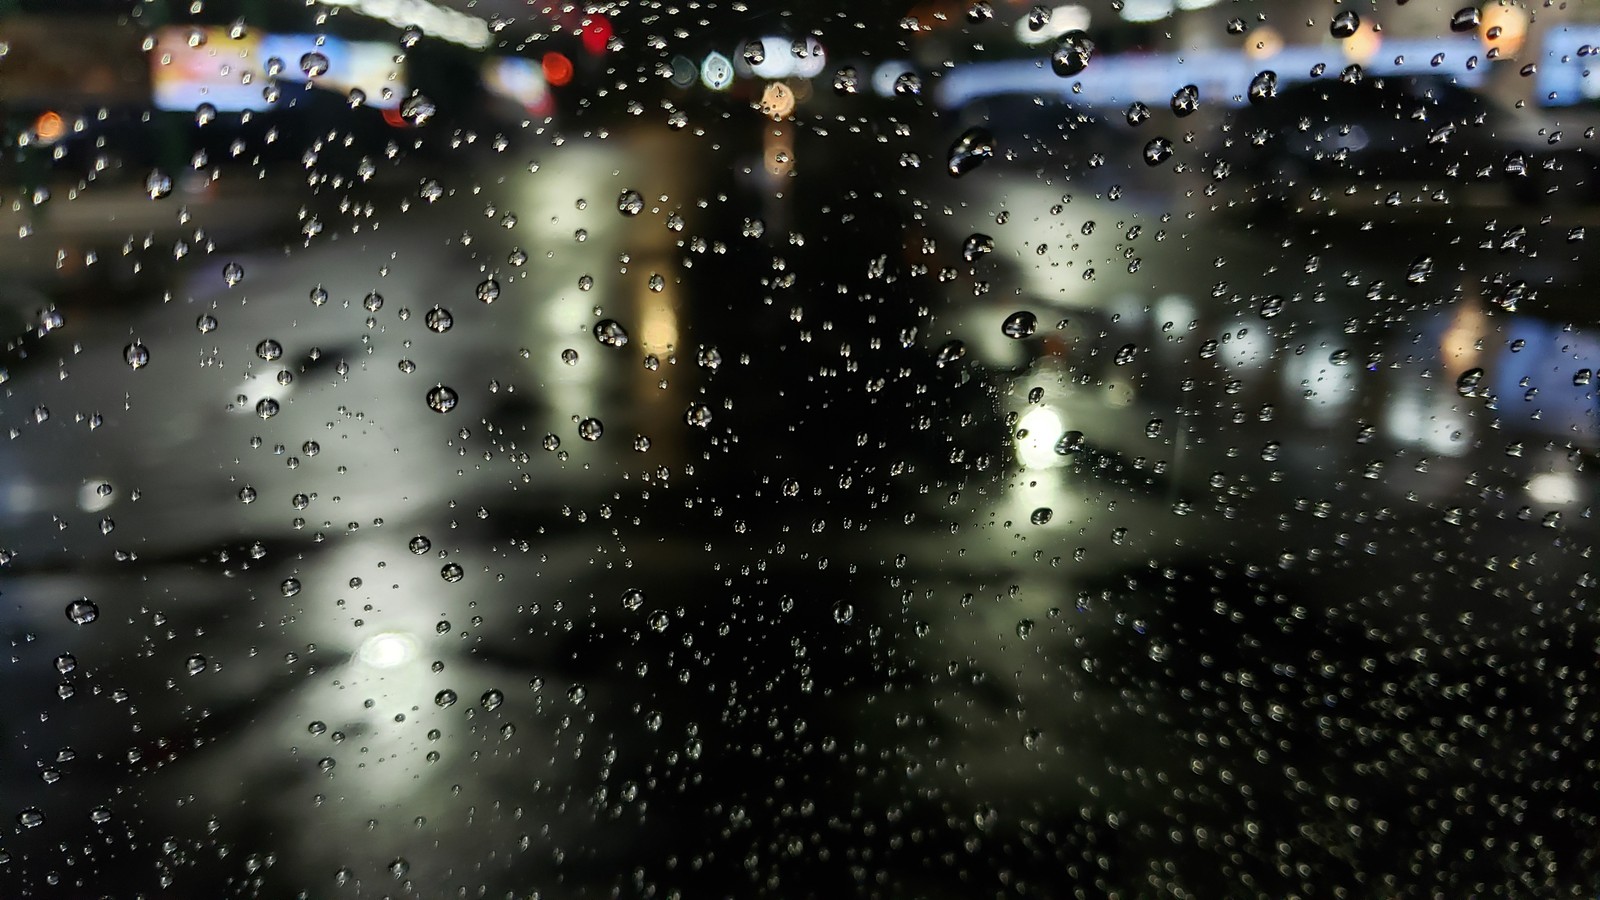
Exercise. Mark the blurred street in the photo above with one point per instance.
(745, 506)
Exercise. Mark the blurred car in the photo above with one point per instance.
(1406, 128)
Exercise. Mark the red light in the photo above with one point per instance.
(393, 117)
(557, 69)
(596, 35)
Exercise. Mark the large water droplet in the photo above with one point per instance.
(313, 64)
(442, 399)
(232, 273)
(975, 246)
(1019, 325)
(1157, 151)
(136, 355)
(269, 350)
(488, 290)
(1345, 23)
(1466, 19)
(1071, 54)
(970, 150)
(611, 333)
(630, 203)
(82, 611)
(439, 320)
(951, 352)
(1467, 384)
(1264, 86)
(1185, 100)
(591, 429)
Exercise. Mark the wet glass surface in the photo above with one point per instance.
(940, 450)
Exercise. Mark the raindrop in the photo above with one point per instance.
(1071, 442)
(950, 353)
(1157, 151)
(659, 621)
(1137, 113)
(319, 295)
(491, 699)
(1465, 19)
(232, 273)
(1019, 325)
(577, 693)
(137, 355)
(82, 611)
(630, 203)
(488, 290)
(194, 665)
(591, 429)
(205, 114)
(269, 350)
(1344, 24)
(1072, 53)
(158, 185)
(1271, 306)
(846, 81)
(1419, 270)
(444, 698)
(399, 867)
(1582, 377)
(1125, 354)
(313, 64)
(206, 324)
(1185, 100)
(439, 320)
(420, 544)
(843, 612)
(266, 407)
(417, 109)
(1467, 384)
(1038, 18)
(970, 150)
(1264, 86)
(373, 301)
(289, 587)
(755, 52)
(632, 599)
(30, 818)
(698, 415)
(1041, 516)
(975, 246)
(451, 572)
(1025, 629)
(611, 333)
(569, 356)
(441, 399)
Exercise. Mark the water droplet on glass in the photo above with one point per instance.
(399, 867)
(659, 621)
(441, 399)
(313, 64)
(975, 246)
(970, 150)
(629, 203)
(1025, 629)
(1419, 270)
(439, 320)
(1466, 19)
(30, 818)
(232, 273)
(591, 429)
(843, 612)
(319, 295)
(269, 350)
(1038, 18)
(1157, 151)
(451, 572)
(444, 698)
(266, 407)
(698, 415)
(1263, 87)
(136, 355)
(1072, 53)
(289, 587)
(194, 665)
(158, 185)
(1137, 113)
(205, 114)
(632, 599)
(577, 693)
(611, 333)
(1345, 23)
(755, 52)
(950, 353)
(1185, 100)
(82, 611)
(488, 290)
(373, 301)
(1070, 442)
(1041, 516)
(1125, 354)
(1019, 325)
(417, 109)
(569, 356)
(1467, 384)
(491, 699)
(1271, 306)
(846, 81)
(420, 544)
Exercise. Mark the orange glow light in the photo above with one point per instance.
(557, 69)
(49, 128)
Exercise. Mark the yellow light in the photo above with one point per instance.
(777, 100)
(49, 128)
(1362, 46)
(1263, 42)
